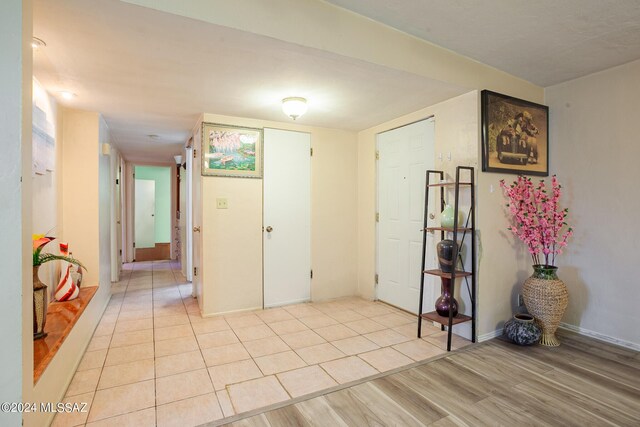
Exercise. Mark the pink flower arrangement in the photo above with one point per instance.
(537, 219)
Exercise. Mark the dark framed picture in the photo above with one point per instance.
(515, 135)
(231, 151)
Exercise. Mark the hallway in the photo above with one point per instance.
(153, 360)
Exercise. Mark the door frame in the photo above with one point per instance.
(146, 192)
(116, 213)
(189, 212)
(129, 195)
(377, 197)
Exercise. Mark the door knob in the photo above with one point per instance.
(196, 229)
(431, 216)
(269, 229)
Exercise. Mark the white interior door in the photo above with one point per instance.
(287, 217)
(115, 216)
(405, 154)
(119, 208)
(189, 213)
(194, 154)
(182, 220)
(145, 222)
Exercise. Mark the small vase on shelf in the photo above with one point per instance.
(445, 249)
(446, 301)
(447, 217)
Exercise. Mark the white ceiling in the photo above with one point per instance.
(543, 41)
(150, 72)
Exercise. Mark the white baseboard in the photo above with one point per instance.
(599, 336)
(490, 335)
(243, 310)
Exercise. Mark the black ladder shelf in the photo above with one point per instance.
(469, 228)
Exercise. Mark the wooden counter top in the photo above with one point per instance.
(61, 316)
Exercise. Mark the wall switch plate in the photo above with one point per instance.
(520, 300)
(222, 204)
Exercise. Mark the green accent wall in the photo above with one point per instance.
(162, 177)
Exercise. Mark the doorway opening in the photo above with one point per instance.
(152, 213)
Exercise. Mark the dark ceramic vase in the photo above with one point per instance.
(522, 329)
(446, 300)
(39, 305)
(445, 249)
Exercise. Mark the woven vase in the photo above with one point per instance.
(546, 298)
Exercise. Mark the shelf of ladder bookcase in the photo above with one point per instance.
(443, 320)
(448, 184)
(448, 229)
(440, 273)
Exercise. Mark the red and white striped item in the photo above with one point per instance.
(66, 290)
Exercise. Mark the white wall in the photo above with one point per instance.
(15, 213)
(104, 205)
(232, 238)
(595, 152)
(46, 194)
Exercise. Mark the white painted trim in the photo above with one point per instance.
(599, 336)
(490, 335)
(231, 312)
(282, 304)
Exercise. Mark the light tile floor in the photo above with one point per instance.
(153, 360)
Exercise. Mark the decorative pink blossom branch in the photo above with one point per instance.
(536, 217)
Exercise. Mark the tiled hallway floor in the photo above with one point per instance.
(154, 360)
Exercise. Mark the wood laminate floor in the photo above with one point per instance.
(583, 382)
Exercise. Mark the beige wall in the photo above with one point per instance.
(80, 200)
(236, 233)
(85, 200)
(595, 152)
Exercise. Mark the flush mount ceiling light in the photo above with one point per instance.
(65, 94)
(37, 43)
(294, 107)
